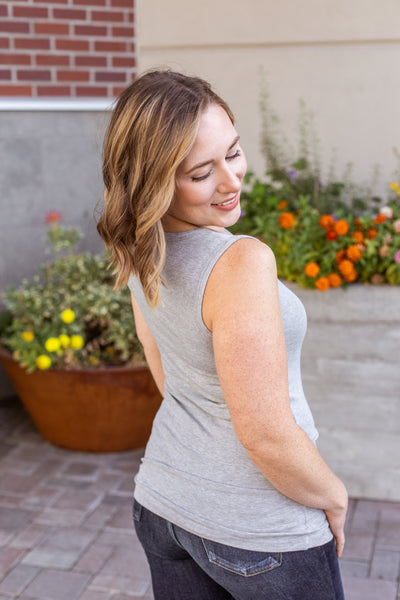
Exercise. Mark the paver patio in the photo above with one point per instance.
(66, 529)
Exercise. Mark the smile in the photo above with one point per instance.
(228, 204)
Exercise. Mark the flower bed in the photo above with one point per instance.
(325, 250)
(325, 232)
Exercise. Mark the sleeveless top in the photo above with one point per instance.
(195, 473)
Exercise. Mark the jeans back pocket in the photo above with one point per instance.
(242, 562)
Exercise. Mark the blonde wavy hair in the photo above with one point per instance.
(152, 129)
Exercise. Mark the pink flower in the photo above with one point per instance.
(396, 225)
(397, 256)
(387, 212)
(53, 216)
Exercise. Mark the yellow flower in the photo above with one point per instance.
(28, 336)
(52, 344)
(394, 186)
(64, 340)
(77, 342)
(43, 362)
(68, 315)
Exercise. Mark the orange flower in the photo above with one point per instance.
(346, 267)
(53, 216)
(286, 220)
(358, 222)
(331, 235)
(358, 236)
(371, 233)
(379, 218)
(351, 276)
(282, 205)
(311, 269)
(353, 253)
(339, 256)
(341, 227)
(322, 284)
(334, 280)
(326, 221)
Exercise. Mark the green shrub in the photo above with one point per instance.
(69, 315)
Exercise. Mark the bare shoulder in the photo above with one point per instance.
(242, 280)
(248, 254)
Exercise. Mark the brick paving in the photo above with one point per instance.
(66, 529)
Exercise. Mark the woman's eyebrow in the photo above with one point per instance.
(207, 162)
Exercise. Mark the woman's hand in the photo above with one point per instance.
(336, 519)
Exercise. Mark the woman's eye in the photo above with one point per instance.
(237, 153)
(201, 177)
(231, 157)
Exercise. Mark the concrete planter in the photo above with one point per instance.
(351, 377)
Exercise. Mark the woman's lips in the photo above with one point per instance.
(228, 204)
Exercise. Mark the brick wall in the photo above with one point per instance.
(66, 48)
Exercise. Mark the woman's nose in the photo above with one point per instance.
(230, 181)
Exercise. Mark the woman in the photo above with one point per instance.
(232, 499)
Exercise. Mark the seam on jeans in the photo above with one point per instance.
(213, 558)
(172, 533)
(247, 573)
(323, 550)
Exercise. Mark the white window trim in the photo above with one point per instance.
(59, 104)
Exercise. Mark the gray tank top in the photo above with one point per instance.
(195, 473)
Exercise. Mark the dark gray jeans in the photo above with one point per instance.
(187, 567)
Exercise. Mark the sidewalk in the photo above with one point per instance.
(66, 529)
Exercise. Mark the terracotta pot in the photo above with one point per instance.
(99, 410)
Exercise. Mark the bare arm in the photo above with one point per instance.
(150, 347)
(241, 308)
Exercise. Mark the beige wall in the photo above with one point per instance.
(341, 57)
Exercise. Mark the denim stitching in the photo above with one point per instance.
(214, 559)
(172, 533)
(323, 550)
(246, 573)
